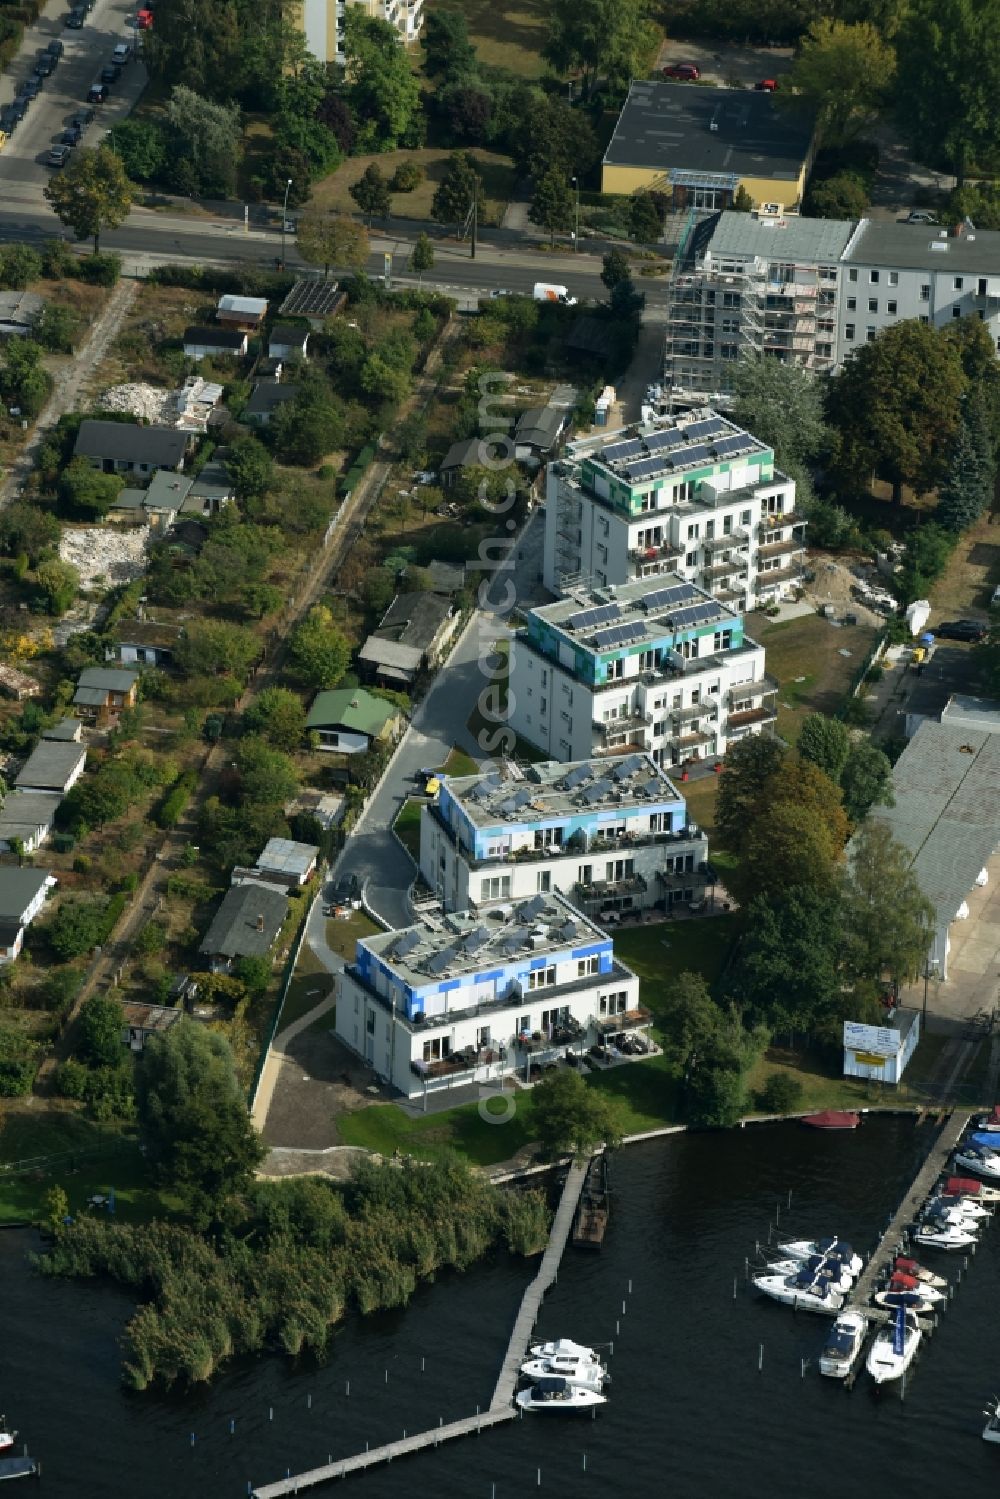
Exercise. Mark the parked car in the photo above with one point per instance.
(76, 18)
(56, 48)
(58, 156)
(346, 895)
(19, 107)
(110, 74)
(686, 70)
(97, 93)
(85, 118)
(122, 53)
(31, 88)
(143, 20)
(767, 86)
(9, 119)
(961, 629)
(920, 216)
(71, 135)
(45, 65)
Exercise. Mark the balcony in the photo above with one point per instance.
(467, 1060)
(782, 548)
(694, 711)
(736, 568)
(778, 575)
(599, 891)
(752, 689)
(655, 553)
(780, 519)
(691, 741)
(680, 879)
(751, 716)
(632, 722)
(629, 1020)
(731, 538)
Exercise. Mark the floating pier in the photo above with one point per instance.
(501, 1407)
(19, 1467)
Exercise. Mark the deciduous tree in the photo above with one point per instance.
(332, 240)
(615, 269)
(866, 780)
(825, 742)
(422, 257)
(948, 81)
(552, 205)
(100, 1042)
(842, 74)
(888, 920)
(569, 1115)
(278, 715)
(85, 491)
(749, 767)
(371, 194)
(381, 87)
(208, 646)
(91, 194)
(318, 650)
(460, 184)
(600, 39)
(783, 406)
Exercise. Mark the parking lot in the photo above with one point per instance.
(64, 93)
(725, 63)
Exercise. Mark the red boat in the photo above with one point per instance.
(832, 1119)
(963, 1186)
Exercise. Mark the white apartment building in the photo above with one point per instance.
(655, 666)
(756, 285)
(896, 271)
(695, 496)
(322, 22)
(484, 994)
(612, 834)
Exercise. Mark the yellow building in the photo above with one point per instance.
(701, 145)
(322, 22)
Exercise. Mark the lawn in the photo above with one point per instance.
(386, 1128)
(333, 193)
(342, 933)
(310, 985)
(109, 1158)
(824, 1086)
(658, 952)
(973, 569)
(804, 655)
(510, 36)
(459, 763)
(407, 827)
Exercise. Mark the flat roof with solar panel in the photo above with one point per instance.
(554, 790)
(650, 609)
(655, 451)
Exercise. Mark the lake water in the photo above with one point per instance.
(689, 1414)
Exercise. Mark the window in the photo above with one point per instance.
(544, 706)
(585, 874)
(543, 882)
(852, 304)
(496, 887)
(893, 278)
(691, 560)
(545, 677)
(482, 1037)
(852, 275)
(540, 978)
(890, 308)
(873, 277)
(437, 1049)
(692, 533)
(849, 332)
(370, 1022)
(616, 670)
(745, 517)
(587, 966)
(925, 292)
(870, 332)
(613, 1004)
(959, 282)
(956, 312)
(981, 289)
(604, 524)
(524, 1025)
(873, 304)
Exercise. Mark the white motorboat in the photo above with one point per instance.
(979, 1158)
(991, 1431)
(7, 1438)
(912, 1301)
(803, 1292)
(558, 1395)
(957, 1208)
(574, 1371)
(843, 1345)
(828, 1248)
(829, 1270)
(945, 1236)
(894, 1348)
(903, 1265)
(900, 1282)
(564, 1348)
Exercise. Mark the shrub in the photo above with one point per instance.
(100, 270)
(781, 1094)
(169, 811)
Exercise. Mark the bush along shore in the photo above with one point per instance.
(289, 1259)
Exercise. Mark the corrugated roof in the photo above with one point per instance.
(18, 888)
(350, 708)
(947, 813)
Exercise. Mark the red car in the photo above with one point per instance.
(767, 86)
(686, 70)
(143, 19)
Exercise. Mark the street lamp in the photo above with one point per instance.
(284, 220)
(575, 181)
(929, 963)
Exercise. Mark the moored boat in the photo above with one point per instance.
(833, 1271)
(7, 1438)
(904, 1265)
(900, 1282)
(574, 1371)
(843, 1345)
(956, 1209)
(894, 1348)
(911, 1301)
(564, 1348)
(559, 1396)
(832, 1119)
(945, 1236)
(981, 1158)
(803, 1292)
(991, 1431)
(829, 1248)
(990, 1122)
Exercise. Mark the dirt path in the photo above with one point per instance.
(71, 382)
(166, 849)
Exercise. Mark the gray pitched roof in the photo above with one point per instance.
(267, 395)
(127, 442)
(463, 454)
(908, 247)
(107, 678)
(787, 238)
(234, 933)
(539, 427)
(25, 812)
(947, 813)
(288, 333)
(414, 619)
(50, 765)
(18, 888)
(227, 340)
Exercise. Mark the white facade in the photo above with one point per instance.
(610, 834)
(881, 1052)
(322, 21)
(487, 995)
(23, 893)
(685, 686)
(715, 511)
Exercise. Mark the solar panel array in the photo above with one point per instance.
(630, 766)
(619, 451)
(670, 437)
(575, 777)
(695, 614)
(707, 428)
(597, 792)
(406, 944)
(312, 297)
(588, 617)
(668, 598)
(619, 635)
(733, 444)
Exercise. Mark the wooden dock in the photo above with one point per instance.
(19, 1467)
(591, 1221)
(891, 1241)
(501, 1407)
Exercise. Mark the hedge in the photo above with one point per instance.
(168, 813)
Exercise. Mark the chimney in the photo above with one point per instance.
(260, 923)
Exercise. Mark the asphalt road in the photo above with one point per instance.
(23, 170)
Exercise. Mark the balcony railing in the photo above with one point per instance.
(752, 689)
(677, 879)
(732, 538)
(778, 575)
(690, 741)
(736, 567)
(781, 519)
(763, 714)
(466, 1060)
(601, 890)
(622, 725)
(781, 548)
(652, 553)
(630, 1020)
(694, 711)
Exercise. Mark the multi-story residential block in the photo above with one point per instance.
(323, 22)
(612, 834)
(754, 285)
(484, 994)
(699, 498)
(895, 271)
(656, 666)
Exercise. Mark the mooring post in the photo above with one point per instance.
(192, 1439)
(347, 1391)
(309, 1402)
(232, 1425)
(630, 1288)
(270, 1413)
(734, 1287)
(423, 1364)
(538, 1480)
(760, 1358)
